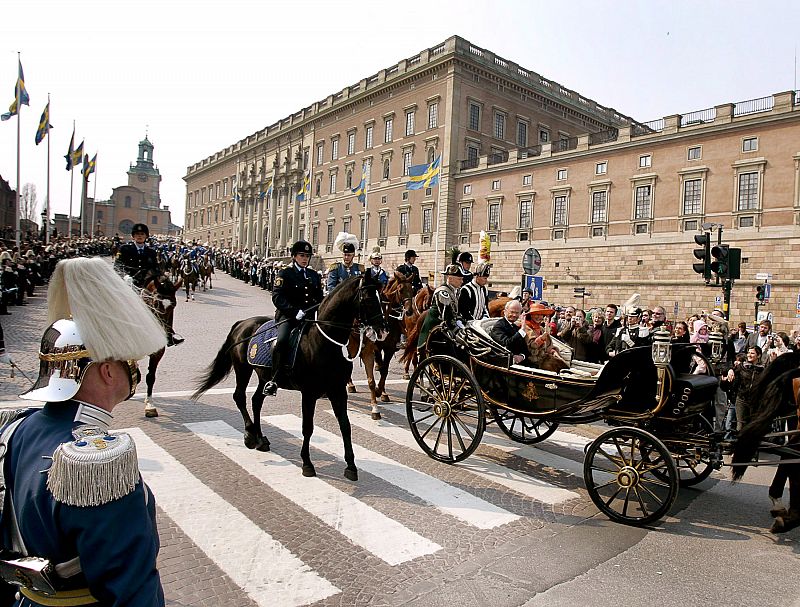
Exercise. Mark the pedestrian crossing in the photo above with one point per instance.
(269, 571)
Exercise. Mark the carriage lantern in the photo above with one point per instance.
(662, 347)
(717, 341)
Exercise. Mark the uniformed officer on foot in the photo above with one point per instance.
(297, 288)
(340, 271)
(136, 259)
(75, 503)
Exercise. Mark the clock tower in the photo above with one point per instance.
(144, 175)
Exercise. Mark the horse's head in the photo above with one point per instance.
(400, 292)
(370, 310)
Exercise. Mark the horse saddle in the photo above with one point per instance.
(259, 348)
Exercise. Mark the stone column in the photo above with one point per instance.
(250, 220)
(296, 213)
(240, 235)
(272, 217)
(259, 240)
(285, 197)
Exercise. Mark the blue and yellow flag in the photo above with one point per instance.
(71, 152)
(304, 194)
(19, 91)
(44, 124)
(361, 189)
(77, 155)
(424, 175)
(235, 193)
(89, 166)
(268, 193)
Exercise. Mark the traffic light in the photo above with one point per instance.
(704, 255)
(720, 264)
(761, 293)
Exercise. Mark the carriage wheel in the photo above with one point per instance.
(522, 428)
(445, 409)
(631, 476)
(692, 452)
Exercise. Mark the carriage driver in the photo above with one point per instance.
(136, 259)
(297, 288)
(444, 304)
(76, 498)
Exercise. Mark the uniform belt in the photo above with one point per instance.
(62, 598)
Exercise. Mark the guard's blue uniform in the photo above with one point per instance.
(338, 273)
(117, 542)
(381, 276)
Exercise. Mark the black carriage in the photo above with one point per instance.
(661, 436)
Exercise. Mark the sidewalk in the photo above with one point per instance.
(23, 332)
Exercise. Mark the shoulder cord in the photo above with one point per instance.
(344, 345)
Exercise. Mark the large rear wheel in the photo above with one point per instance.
(445, 409)
(631, 476)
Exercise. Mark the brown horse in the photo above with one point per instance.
(206, 271)
(189, 275)
(397, 296)
(413, 324)
(159, 295)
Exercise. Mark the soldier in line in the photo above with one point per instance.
(297, 288)
(409, 269)
(136, 259)
(76, 498)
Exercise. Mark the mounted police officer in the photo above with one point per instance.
(136, 259)
(465, 261)
(297, 288)
(473, 297)
(340, 271)
(409, 269)
(375, 269)
(75, 503)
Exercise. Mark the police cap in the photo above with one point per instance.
(411, 253)
(466, 256)
(301, 246)
(140, 228)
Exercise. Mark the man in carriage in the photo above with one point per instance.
(136, 259)
(444, 304)
(473, 297)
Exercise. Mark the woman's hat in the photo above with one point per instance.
(538, 309)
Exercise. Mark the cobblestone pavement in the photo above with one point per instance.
(511, 525)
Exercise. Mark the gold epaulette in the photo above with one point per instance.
(333, 266)
(95, 469)
(361, 268)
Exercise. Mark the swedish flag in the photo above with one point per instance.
(77, 155)
(424, 175)
(361, 189)
(19, 91)
(71, 152)
(89, 166)
(303, 195)
(44, 124)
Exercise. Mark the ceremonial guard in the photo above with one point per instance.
(136, 259)
(78, 522)
(409, 269)
(297, 288)
(473, 296)
(444, 304)
(375, 259)
(628, 336)
(340, 271)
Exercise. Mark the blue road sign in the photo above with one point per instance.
(535, 284)
(767, 292)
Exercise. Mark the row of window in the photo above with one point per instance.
(499, 126)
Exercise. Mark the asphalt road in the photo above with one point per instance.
(511, 526)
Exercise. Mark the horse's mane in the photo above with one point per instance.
(770, 395)
(346, 290)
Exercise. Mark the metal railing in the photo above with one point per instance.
(754, 106)
(563, 145)
(603, 136)
(699, 117)
(497, 158)
(639, 129)
(530, 152)
(469, 163)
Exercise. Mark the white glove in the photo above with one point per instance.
(5, 358)
(459, 324)
(300, 315)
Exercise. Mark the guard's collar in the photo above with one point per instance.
(297, 266)
(93, 415)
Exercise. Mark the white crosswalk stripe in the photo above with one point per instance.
(446, 498)
(269, 573)
(364, 526)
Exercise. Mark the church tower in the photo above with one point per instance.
(144, 175)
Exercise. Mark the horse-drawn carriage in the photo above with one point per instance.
(661, 436)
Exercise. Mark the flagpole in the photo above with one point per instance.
(47, 195)
(438, 220)
(94, 194)
(18, 230)
(71, 182)
(366, 207)
(85, 180)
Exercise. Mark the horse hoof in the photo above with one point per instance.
(385, 398)
(350, 473)
(376, 416)
(308, 470)
(406, 376)
(351, 388)
(262, 444)
(151, 412)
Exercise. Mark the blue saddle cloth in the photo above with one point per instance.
(259, 348)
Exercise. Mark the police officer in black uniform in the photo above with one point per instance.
(465, 261)
(409, 269)
(136, 259)
(296, 289)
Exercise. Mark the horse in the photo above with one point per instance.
(397, 294)
(422, 301)
(190, 277)
(175, 266)
(321, 366)
(206, 271)
(159, 295)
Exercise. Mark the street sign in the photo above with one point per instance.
(535, 284)
(531, 261)
(718, 300)
(675, 310)
(763, 276)
(767, 292)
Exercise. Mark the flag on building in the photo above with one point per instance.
(19, 92)
(361, 189)
(235, 193)
(304, 194)
(268, 193)
(89, 166)
(424, 175)
(44, 124)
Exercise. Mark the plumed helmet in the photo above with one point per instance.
(376, 253)
(482, 269)
(453, 269)
(140, 227)
(466, 256)
(633, 311)
(348, 247)
(411, 253)
(345, 242)
(301, 246)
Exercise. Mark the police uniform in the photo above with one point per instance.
(408, 269)
(137, 263)
(338, 273)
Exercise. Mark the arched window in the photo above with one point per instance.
(127, 202)
(386, 169)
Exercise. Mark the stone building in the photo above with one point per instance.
(8, 211)
(611, 203)
(137, 202)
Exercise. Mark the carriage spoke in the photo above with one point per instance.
(642, 505)
(619, 450)
(613, 496)
(449, 438)
(646, 488)
(431, 427)
(626, 502)
(598, 469)
(654, 481)
(614, 460)
(450, 380)
(608, 484)
(419, 420)
(467, 429)
(458, 436)
(438, 438)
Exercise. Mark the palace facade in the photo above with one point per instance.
(611, 203)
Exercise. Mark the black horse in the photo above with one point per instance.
(321, 368)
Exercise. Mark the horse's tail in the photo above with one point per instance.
(411, 341)
(771, 395)
(220, 368)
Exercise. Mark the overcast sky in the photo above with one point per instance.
(201, 75)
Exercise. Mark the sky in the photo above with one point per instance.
(197, 76)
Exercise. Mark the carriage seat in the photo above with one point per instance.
(695, 390)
